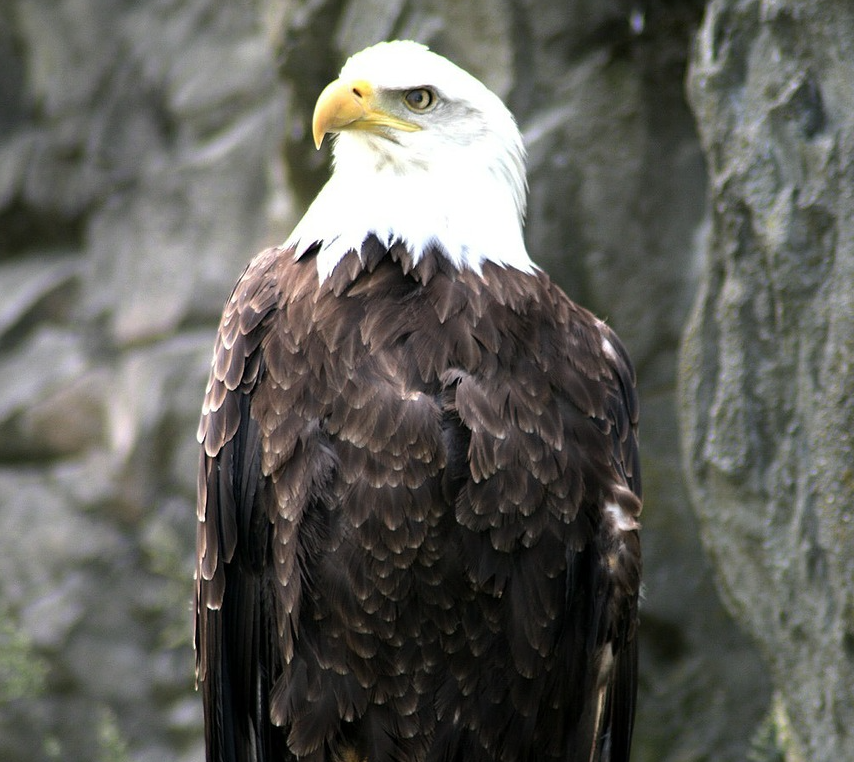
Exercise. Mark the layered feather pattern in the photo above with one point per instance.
(418, 502)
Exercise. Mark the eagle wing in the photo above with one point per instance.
(551, 501)
(622, 417)
(236, 660)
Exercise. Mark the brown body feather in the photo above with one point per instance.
(404, 549)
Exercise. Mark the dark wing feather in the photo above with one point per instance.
(234, 657)
(621, 414)
(619, 711)
(547, 500)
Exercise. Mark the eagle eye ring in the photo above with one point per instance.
(420, 99)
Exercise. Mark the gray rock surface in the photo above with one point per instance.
(767, 382)
(147, 150)
(136, 141)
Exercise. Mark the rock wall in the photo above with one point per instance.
(147, 150)
(767, 382)
(136, 146)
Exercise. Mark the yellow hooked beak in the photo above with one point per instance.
(352, 106)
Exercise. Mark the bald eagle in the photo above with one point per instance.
(419, 485)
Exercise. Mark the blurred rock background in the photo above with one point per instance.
(148, 149)
(767, 367)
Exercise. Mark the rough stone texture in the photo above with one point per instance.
(147, 150)
(767, 382)
(136, 141)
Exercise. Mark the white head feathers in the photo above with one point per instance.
(453, 176)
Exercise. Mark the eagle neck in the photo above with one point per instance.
(472, 217)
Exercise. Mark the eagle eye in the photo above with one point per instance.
(420, 99)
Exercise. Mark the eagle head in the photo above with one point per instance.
(424, 153)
